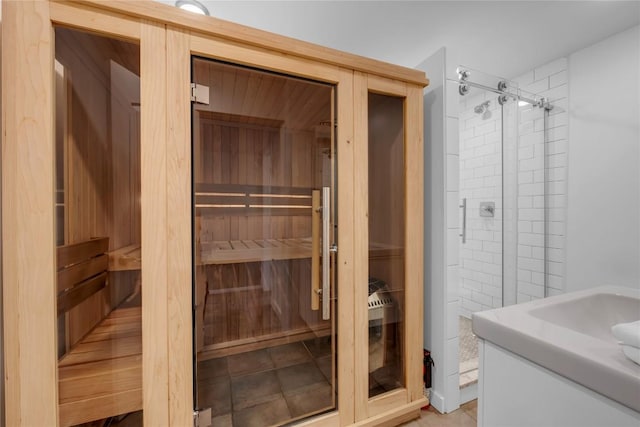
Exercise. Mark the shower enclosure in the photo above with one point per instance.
(503, 201)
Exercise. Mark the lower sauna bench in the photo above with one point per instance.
(102, 375)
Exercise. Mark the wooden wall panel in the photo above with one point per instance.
(236, 153)
(414, 248)
(155, 256)
(179, 230)
(347, 139)
(28, 215)
(283, 47)
(79, 16)
(247, 302)
(361, 246)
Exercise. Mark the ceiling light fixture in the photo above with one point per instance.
(192, 6)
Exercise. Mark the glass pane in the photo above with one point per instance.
(386, 243)
(262, 154)
(511, 203)
(492, 163)
(487, 196)
(97, 116)
(530, 258)
(481, 175)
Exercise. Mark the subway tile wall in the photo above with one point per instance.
(481, 181)
(480, 178)
(550, 81)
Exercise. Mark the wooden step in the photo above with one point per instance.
(102, 375)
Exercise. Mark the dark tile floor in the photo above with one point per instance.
(267, 387)
(273, 386)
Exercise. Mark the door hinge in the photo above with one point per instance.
(199, 93)
(202, 418)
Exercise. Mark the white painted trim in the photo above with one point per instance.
(468, 393)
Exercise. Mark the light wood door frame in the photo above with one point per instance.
(28, 222)
(411, 397)
(342, 79)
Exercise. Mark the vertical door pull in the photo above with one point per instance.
(316, 211)
(463, 206)
(326, 244)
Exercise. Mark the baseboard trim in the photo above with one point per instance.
(468, 393)
(437, 400)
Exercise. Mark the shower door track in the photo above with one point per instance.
(542, 102)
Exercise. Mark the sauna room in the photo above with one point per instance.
(263, 162)
(231, 238)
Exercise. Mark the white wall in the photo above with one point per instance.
(603, 228)
(441, 231)
(441, 185)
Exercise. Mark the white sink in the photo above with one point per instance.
(570, 335)
(592, 315)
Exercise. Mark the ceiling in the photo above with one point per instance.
(504, 38)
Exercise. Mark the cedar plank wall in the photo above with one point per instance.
(102, 173)
(263, 153)
(259, 140)
(236, 153)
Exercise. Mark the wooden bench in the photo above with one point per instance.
(101, 375)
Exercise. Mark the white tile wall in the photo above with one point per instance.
(480, 179)
(550, 81)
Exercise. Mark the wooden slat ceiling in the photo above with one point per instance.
(96, 51)
(298, 104)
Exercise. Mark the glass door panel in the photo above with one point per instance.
(386, 242)
(263, 224)
(98, 228)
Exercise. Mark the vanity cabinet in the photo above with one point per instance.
(206, 220)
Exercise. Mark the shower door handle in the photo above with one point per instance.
(326, 255)
(463, 206)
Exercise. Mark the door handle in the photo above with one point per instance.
(326, 237)
(315, 250)
(463, 206)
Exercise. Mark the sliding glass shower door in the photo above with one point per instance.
(504, 201)
(488, 196)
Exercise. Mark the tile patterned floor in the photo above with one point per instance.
(269, 386)
(468, 354)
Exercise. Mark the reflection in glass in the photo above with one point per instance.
(386, 243)
(97, 171)
(262, 153)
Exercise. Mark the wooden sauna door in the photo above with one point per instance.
(263, 185)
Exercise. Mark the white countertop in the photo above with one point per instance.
(570, 335)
